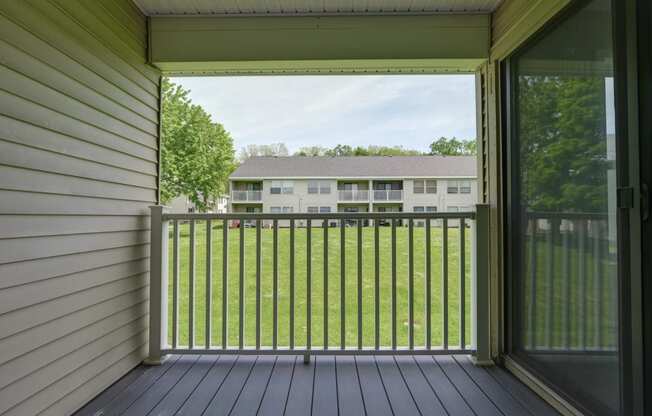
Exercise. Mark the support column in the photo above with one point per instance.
(158, 284)
(480, 302)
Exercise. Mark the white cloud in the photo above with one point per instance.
(410, 110)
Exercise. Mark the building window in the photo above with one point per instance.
(465, 187)
(431, 209)
(453, 208)
(319, 187)
(275, 210)
(313, 210)
(419, 209)
(453, 187)
(324, 210)
(282, 187)
(425, 209)
(287, 210)
(425, 186)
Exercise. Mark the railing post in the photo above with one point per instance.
(481, 317)
(158, 284)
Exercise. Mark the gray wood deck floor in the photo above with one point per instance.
(343, 385)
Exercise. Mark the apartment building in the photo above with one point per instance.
(354, 184)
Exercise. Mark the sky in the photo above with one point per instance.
(406, 110)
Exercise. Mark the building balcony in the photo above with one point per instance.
(384, 195)
(246, 196)
(353, 195)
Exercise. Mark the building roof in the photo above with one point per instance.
(357, 167)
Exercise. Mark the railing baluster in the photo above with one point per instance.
(292, 284)
(191, 288)
(275, 286)
(411, 282)
(428, 287)
(342, 284)
(597, 285)
(308, 285)
(241, 288)
(225, 283)
(532, 307)
(550, 268)
(325, 228)
(258, 272)
(581, 290)
(209, 282)
(175, 285)
(462, 284)
(394, 311)
(376, 285)
(444, 281)
(359, 248)
(566, 300)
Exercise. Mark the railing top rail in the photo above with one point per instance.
(567, 215)
(322, 216)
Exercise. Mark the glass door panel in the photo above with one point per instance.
(564, 320)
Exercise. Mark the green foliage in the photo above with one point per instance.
(563, 143)
(197, 154)
(254, 150)
(453, 147)
(346, 150)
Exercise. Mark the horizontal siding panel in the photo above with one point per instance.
(19, 179)
(15, 202)
(97, 382)
(40, 313)
(30, 112)
(25, 41)
(33, 68)
(124, 14)
(28, 363)
(23, 296)
(60, 145)
(14, 154)
(124, 339)
(30, 248)
(36, 337)
(39, 24)
(87, 36)
(25, 272)
(18, 226)
(22, 86)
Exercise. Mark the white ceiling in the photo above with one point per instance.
(312, 7)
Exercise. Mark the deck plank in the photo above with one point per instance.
(397, 391)
(123, 400)
(299, 402)
(475, 397)
(373, 391)
(208, 387)
(275, 397)
(348, 387)
(447, 392)
(163, 385)
(324, 396)
(252, 393)
(424, 396)
(177, 396)
(498, 395)
(226, 397)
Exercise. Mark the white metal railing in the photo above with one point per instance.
(246, 196)
(294, 322)
(388, 195)
(353, 195)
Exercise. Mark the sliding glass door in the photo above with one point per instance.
(563, 249)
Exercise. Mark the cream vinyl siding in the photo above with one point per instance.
(78, 170)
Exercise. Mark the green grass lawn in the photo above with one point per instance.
(318, 286)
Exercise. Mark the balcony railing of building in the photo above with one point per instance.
(246, 196)
(353, 195)
(316, 284)
(388, 195)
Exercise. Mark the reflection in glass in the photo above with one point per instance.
(564, 195)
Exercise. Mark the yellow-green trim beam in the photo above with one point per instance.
(330, 44)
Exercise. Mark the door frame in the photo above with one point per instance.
(630, 344)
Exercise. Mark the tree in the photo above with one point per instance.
(453, 147)
(197, 155)
(256, 150)
(312, 151)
